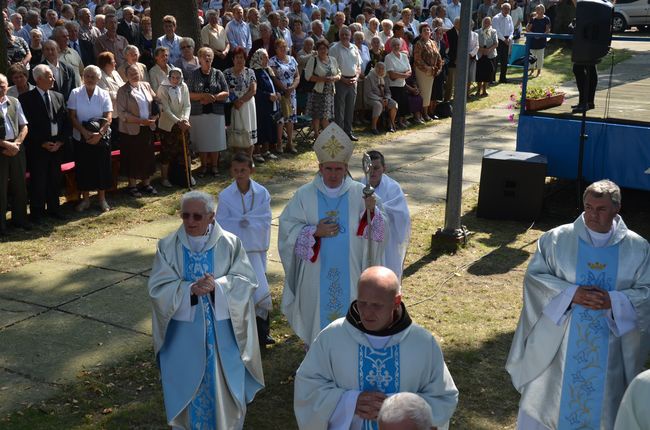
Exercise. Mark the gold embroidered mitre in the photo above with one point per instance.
(333, 145)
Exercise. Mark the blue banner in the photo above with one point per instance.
(585, 369)
(334, 258)
(379, 370)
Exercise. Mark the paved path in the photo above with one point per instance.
(89, 306)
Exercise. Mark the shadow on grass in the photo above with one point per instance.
(487, 399)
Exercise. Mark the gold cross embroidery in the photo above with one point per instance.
(333, 147)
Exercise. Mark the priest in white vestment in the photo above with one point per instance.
(586, 308)
(634, 412)
(205, 340)
(393, 201)
(323, 239)
(245, 210)
(356, 362)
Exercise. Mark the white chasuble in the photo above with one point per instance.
(248, 216)
(571, 364)
(343, 361)
(208, 355)
(319, 291)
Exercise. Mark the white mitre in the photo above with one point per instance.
(333, 145)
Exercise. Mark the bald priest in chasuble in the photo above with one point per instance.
(323, 239)
(205, 337)
(358, 361)
(586, 308)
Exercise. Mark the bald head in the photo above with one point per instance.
(379, 298)
(381, 279)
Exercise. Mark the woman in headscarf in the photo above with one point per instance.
(377, 96)
(174, 124)
(267, 106)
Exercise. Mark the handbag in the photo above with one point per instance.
(286, 107)
(237, 137)
(94, 125)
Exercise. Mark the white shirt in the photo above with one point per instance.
(141, 100)
(46, 29)
(503, 25)
(453, 11)
(53, 125)
(10, 133)
(399, 65)
(348, 58)
(89, 108)
(56, 72)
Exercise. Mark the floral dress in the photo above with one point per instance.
(286, 72)
(244, 117)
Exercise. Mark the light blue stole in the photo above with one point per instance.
(379, 370)
(334, 255)
(585, 370)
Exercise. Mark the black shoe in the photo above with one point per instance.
(503, 81)
(353, 137)
(3, 230)
(591, 106)
(579, 109)
(24, 225)
(576, 106)
(391, 130)
(375, 131)
(268, 340)
(57, 215)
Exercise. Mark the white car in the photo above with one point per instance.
(631, 13)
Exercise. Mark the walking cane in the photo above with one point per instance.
(368, 191)
(187, 164)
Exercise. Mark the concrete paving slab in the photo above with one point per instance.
(130, 296)
(156, 229)
(18, 392)
(51, 283)
(125, 253)
(55, 346)
(12, 311)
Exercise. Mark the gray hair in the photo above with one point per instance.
(128, 9)
(316, 23)
(211, 12)
(604, 188)
(40, 70)
(387, 22)
(3, 78)
(58, 31)
(406, 406)
(71, 24)
(265, 26)
(188, 40)
(131, 48)
(93, 70)
(205, 198)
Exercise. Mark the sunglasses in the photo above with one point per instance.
(195, 216)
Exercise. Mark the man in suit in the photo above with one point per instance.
(128, 28)
(65, 79)
(45, 110)
(13, 129)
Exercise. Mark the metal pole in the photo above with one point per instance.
(368, 191)
(453, 229)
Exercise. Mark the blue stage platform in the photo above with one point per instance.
(615, 149)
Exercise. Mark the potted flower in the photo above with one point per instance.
(538, 98)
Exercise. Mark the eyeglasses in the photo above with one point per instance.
(195, 216)
(185, 46)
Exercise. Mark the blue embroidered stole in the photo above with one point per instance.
(585, 370)
(379, 370)
(202, 409)
(334, 258)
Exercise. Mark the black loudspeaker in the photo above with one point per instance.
(593, 32)
(512, 185)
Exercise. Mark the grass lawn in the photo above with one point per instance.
(469, 299)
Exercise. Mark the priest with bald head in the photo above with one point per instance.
(323, 239)
(375, 351)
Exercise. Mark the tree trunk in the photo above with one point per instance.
(186, 14)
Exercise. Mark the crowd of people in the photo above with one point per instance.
(388, 65)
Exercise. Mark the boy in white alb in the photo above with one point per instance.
(245, 210)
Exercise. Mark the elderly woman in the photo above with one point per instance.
(131, 55)
(202, 288)
(287, 79)
(267, 106)
(265, 41)
(138, 112)
(371, 30)
(110, 81)
(208, 93)
(19, 75)
(487, 52)
(160, 71)
(90, 112)
(146, 42)
(36, 47)
(386, 31)
(213, 35)
(17, 48)
(377, 96)
(428, 64)
(376, 53)
(539, 23)
(323, 71)
(188, 62)
(298, 36)
(174, 124)
(242, 87)
(398, 69)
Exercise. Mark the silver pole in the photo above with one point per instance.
(453, 229)
(368, 191)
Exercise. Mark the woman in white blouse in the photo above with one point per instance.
(398, 70)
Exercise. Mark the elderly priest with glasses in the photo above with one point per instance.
(204, 331)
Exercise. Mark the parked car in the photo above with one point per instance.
(631, 13)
